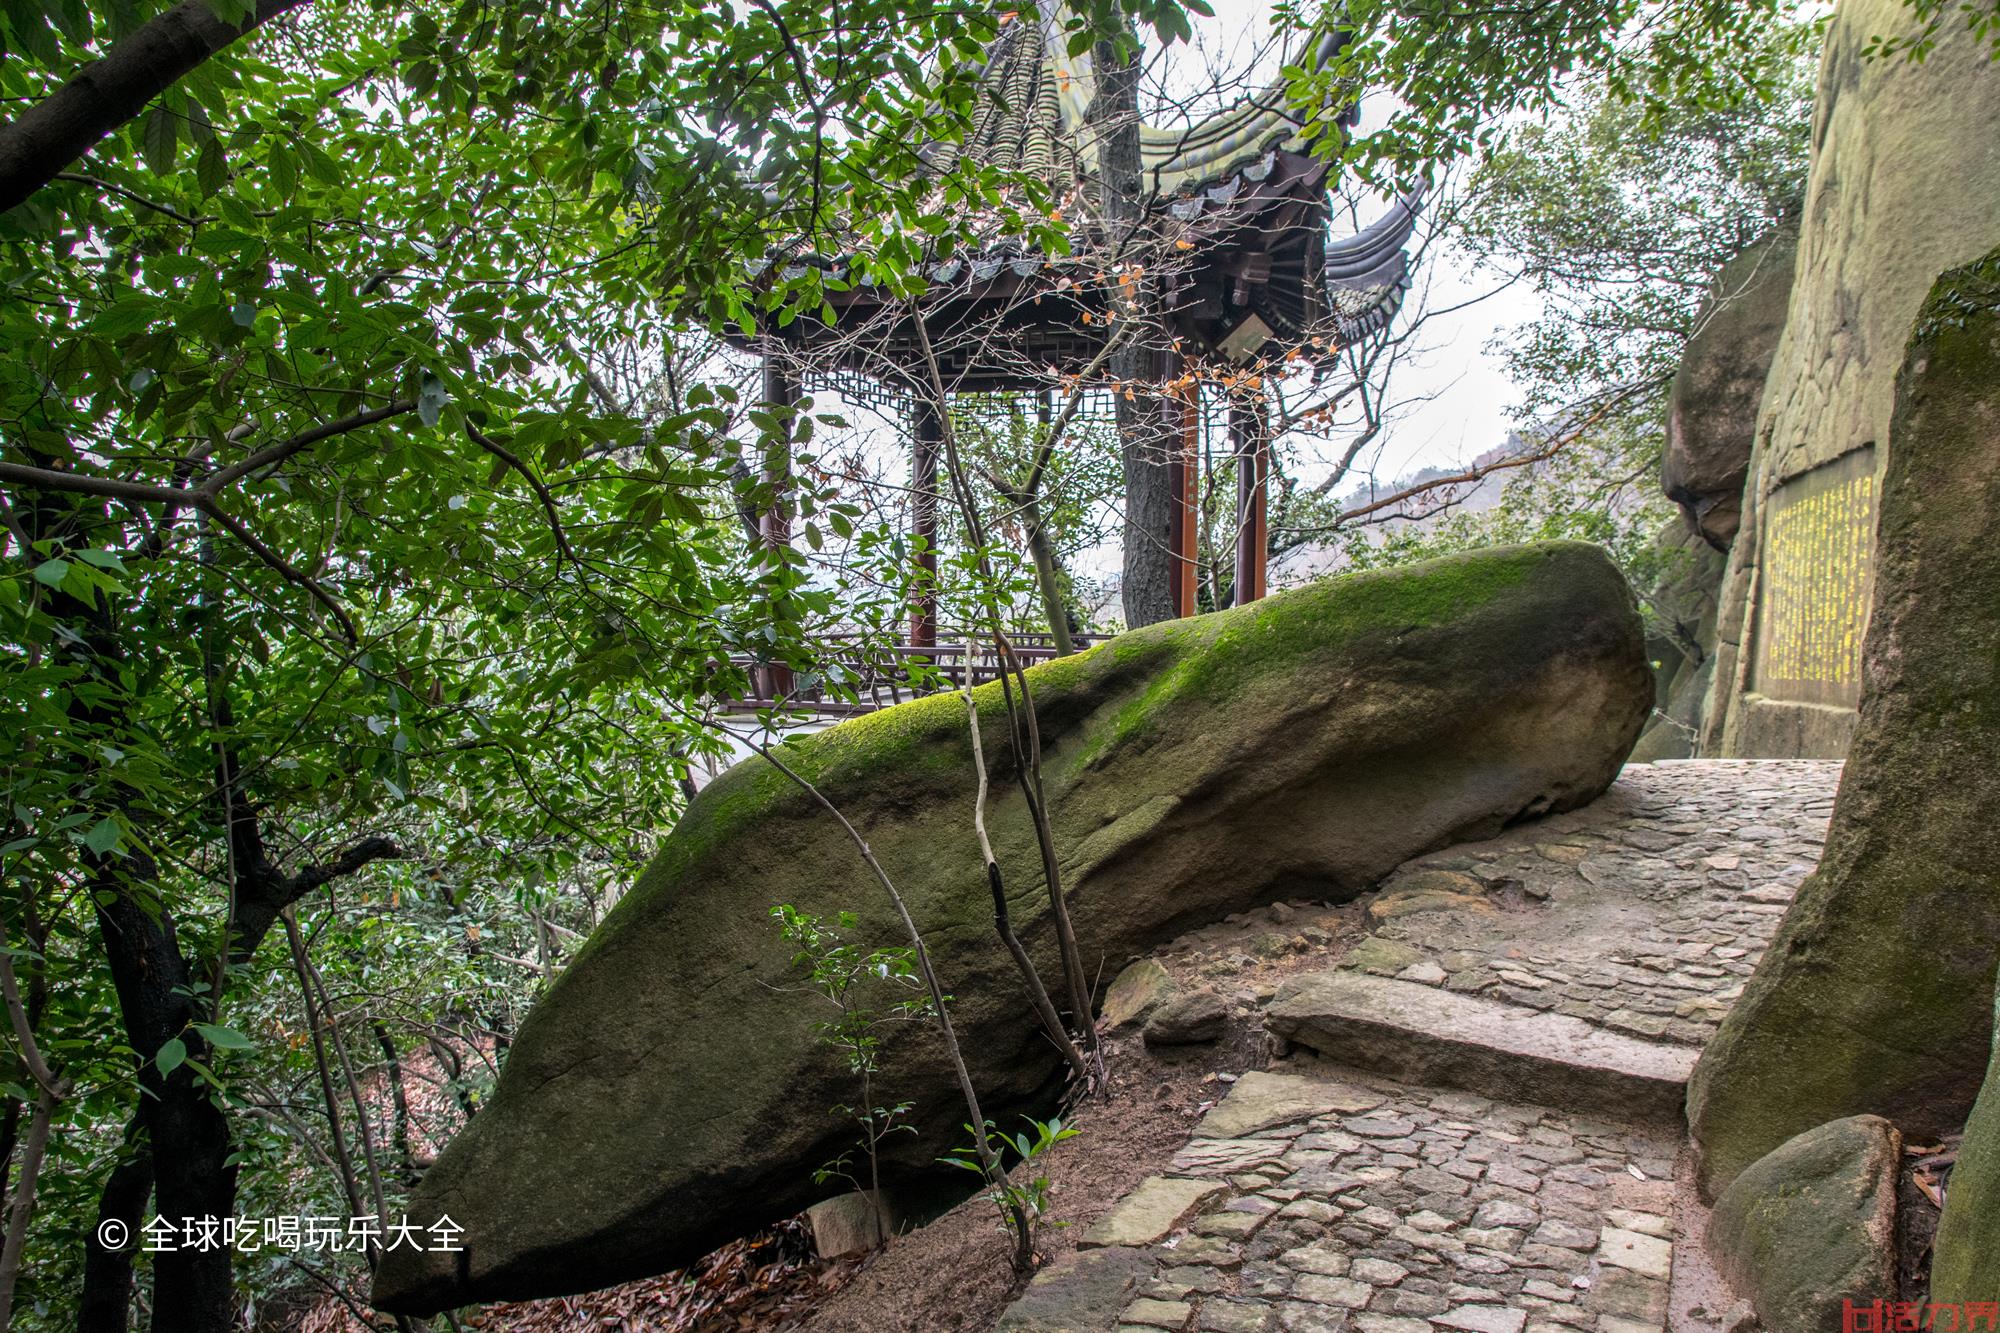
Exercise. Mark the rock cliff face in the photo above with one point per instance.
(1682, 641)
(668, 1093)
(1876, 994)
(1905, 183)
(1712, 407)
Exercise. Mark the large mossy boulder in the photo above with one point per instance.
(1875, 995)
(1965, 1263)
(668, 1093)
(1812, 1224)
(1712, 406)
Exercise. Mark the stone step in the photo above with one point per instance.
(1420, 1034)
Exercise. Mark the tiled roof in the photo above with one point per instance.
(1242, 184)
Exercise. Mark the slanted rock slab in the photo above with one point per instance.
(1187, 1018)
(1149, 1212)
(1813, 1224)
(1081, 1294)
(1260, 1101)
(1421, 1034)
(1136, 993)
(669, 1093)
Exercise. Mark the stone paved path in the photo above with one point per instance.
(1643, 912)
(1393, 1209)
(1321, 1199)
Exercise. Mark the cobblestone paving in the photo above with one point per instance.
(1643, 912)
(1409, 1210)
(1340, 1202)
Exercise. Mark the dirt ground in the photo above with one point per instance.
(954, 1275)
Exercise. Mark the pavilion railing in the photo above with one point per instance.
(882, 675)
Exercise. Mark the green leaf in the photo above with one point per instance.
(211, 169)
(284, 171)
(172, 1055)
(52, 572)
(104, 836)
(319, 164)
(160, 139)
(206, 1075)
(222, 1038)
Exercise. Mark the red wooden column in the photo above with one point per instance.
(923, 520)
(1185, 473)
(1249, 433)
(774, 525)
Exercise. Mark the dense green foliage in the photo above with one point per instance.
(326, 526)
(1619, 215)
(373, 491)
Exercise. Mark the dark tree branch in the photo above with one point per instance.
(262, 897)
(175, 497)
(37, 145)
(288, 571)
(305, 439)
(513, 461)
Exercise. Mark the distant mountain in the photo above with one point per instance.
(1420, 511)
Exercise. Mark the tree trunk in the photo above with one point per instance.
(1047, 580)
(1145, 430)
(193, 1177)
(52, 134)
(153, 979)
(22, 1207)
(406, 1166)
(10, 1127)
(107, 1274)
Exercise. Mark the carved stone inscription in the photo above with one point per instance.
(1818, 575)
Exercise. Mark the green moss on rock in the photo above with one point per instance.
(1966, 1254)
(1812, 1224)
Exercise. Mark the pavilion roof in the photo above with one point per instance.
(1243, 183)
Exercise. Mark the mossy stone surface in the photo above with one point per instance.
(1136, 993)
(1812, 1224)
(668, 1095)
(1875, 995)
(1682, 642)
(1966, 1254)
